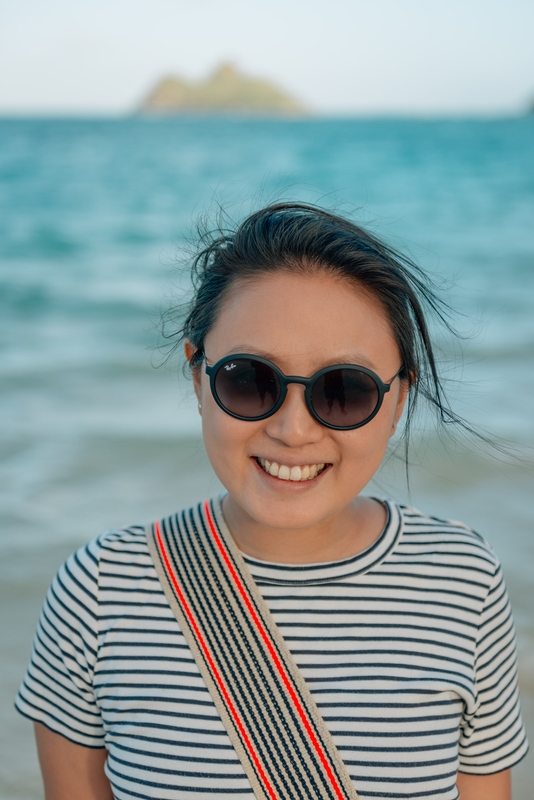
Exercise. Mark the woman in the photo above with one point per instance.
(382, 637)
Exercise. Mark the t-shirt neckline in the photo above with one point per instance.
(324, 572)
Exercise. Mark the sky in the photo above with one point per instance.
(428, 57)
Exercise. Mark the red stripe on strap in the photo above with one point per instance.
(266, 638)
(209, 659)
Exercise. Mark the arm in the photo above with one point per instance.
(70, 770)
(485, 787)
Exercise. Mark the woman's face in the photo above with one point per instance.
(302, 323)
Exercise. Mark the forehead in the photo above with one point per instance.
(306, 320)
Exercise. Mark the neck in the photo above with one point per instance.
(348, 533)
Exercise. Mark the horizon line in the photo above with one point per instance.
(310, 116)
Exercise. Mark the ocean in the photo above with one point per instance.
(96, 220)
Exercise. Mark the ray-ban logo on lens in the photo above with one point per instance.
(228, 367)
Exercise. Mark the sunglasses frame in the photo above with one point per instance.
(213, 369)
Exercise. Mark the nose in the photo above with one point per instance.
(293, 424)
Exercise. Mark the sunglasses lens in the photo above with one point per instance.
(247, 388)
(344, 397)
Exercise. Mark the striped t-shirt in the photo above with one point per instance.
(407, 647)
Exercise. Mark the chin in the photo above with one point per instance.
(287, 513)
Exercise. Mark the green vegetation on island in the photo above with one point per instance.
(226, 91)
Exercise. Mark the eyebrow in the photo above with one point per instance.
(344, 358)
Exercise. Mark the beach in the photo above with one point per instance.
(95, 218)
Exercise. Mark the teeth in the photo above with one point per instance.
(285, 473)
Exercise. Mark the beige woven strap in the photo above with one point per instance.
(268, 711)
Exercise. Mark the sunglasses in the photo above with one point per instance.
(341, 397)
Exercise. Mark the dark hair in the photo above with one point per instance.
(302, 238)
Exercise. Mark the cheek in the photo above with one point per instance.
(365, 447)
(225, 440)
(217, 432)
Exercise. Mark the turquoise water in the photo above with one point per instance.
(93, 216)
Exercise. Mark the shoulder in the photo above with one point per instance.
(122, 545)
(445, 543)
(120, 553)
(116, 563)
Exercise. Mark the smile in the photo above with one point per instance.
(285, 473)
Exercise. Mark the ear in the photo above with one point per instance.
(401, 401)
(189, 351)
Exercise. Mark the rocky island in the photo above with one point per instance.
(226, 91)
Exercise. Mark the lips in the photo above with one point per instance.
(304, 472)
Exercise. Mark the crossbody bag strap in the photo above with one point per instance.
(268, 711)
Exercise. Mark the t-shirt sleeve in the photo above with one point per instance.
(58, 686)
(493, 737)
